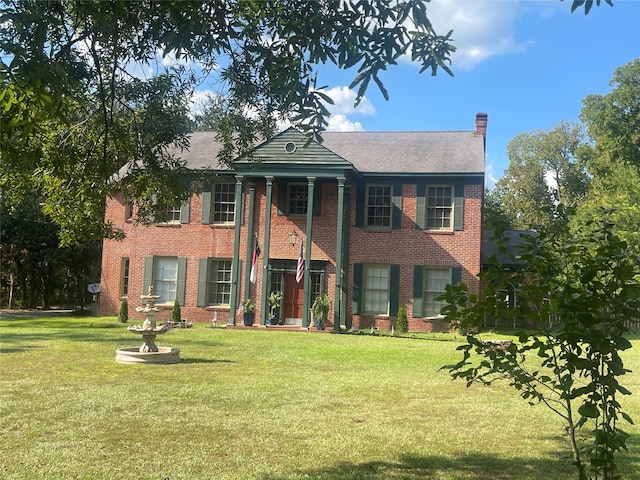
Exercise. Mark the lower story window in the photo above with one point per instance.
(376, 289)
(124, 277)
(219, 284)
(165, 278)
(435, 284)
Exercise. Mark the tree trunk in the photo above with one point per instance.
(11, 283)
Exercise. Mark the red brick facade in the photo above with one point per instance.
(405, 247)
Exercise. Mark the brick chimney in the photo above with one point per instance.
(481, 124)
(481, 127)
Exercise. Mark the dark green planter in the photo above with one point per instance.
(248, 318)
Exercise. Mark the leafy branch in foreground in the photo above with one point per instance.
(578, 298)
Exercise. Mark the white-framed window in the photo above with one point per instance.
(165, 278)
(378, 206)
(435, 283)
(170, 214)
(297, 197)
(124, 276)
(223, 203)
(440, 207)
(219, 281)
(376, 289)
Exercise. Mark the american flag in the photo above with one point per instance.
(254, 263)
(300, 269)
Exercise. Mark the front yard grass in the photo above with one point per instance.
(258, 404)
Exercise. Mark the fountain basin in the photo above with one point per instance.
(164, 355)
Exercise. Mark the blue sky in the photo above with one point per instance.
(528, 64)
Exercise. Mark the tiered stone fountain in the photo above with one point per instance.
(148, 352)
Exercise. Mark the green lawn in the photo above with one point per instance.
(265, 405)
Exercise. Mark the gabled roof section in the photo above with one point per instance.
(202, 153)
(293, 147)
(410, 152)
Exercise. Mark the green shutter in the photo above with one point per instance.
(185, 211)
(358, 270)
(203, 270)
(147, 275)
(206, 203)
(282, 197)
(394, 290)
(456, 275)
(317, 200)
(418, 275)
(181, 280)
(361, 191)
(458, 207)
(396, 210)
(421, 219)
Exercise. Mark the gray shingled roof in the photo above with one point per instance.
(513, 238)
(409, 152)
(376, 152)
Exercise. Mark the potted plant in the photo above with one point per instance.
(249, 315)
(320, 310)
(274, 303)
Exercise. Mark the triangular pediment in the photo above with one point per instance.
(291, 150)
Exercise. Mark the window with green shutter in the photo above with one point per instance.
(293, 196)
(429, 282)
(376, 289)
(219, 203)
(440, 207)
(168, 277)
(379, 206)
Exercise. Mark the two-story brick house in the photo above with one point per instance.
(381, 220)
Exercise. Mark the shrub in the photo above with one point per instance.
(403, 322)
(175, 313)
(123, 316)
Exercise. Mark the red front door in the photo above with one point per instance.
(293, 296)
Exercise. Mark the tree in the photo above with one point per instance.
(578, 298)
(546, 167)
(613, 123)
(69, 85)
(79, 78)
(36, 271)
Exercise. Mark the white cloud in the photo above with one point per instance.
(343, 107)
(481, 28)
(340, 123)
(344, 98)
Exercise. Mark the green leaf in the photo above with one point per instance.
(589, 410)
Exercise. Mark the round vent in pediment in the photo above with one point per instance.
(290, 147)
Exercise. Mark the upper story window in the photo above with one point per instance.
(440, 207)
(297, 195)
(170, 215)
(128, 211)
(224, 203)
(378, 206)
